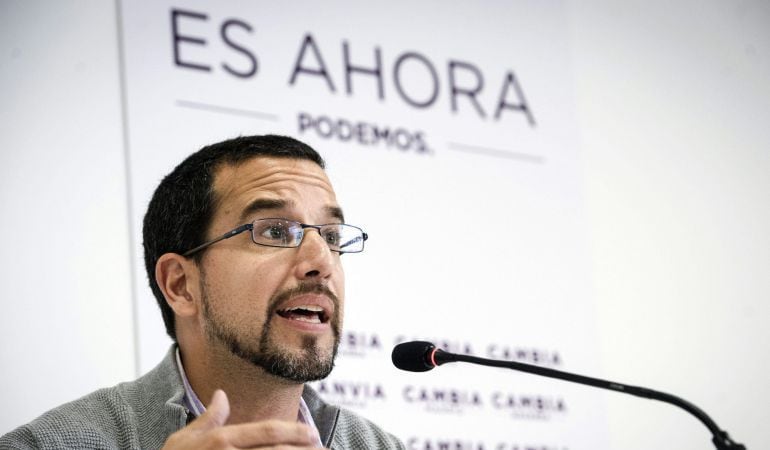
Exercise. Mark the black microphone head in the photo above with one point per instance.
(413, 356)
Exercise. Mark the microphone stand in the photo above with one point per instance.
(720, 437)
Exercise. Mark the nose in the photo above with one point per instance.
(315, 260)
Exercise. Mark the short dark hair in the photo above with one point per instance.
(181, 209)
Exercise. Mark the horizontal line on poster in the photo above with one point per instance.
(496, 152)
(227, 110)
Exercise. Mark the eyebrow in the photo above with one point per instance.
(336, 212)
(262, 204)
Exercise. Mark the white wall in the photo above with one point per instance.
(65, 276)
(671, 103)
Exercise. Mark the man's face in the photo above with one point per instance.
(279, 308)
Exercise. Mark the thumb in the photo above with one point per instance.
(216, 413)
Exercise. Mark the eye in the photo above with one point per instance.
(274, 231)
(332, 236)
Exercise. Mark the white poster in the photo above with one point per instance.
(450, 137)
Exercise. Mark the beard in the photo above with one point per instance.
(311, 363)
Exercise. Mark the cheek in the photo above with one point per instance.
(340, 287)
(244, 287)
(338, 274)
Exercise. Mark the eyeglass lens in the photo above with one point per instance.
(286, 233)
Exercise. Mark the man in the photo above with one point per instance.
(242, 247)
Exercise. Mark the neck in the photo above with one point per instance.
(254, 395)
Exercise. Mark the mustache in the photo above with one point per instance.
(302, 288)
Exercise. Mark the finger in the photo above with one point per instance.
(216, 413)
(271, 432)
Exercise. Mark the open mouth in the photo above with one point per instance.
(305, 313)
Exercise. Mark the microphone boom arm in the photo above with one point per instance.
(720, 438)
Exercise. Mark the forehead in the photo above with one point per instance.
(299, 182)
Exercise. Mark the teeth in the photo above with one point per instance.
(309, 313)
(311, 319)
(307, 307)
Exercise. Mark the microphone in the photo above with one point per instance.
(416, 356)
(421, 356)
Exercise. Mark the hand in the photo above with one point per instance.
(209, 431)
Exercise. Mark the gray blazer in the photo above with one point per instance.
(141, 414)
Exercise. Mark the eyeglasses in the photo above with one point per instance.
(340, 237)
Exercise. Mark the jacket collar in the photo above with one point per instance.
(164, 386)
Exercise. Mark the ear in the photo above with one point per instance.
(177, 278)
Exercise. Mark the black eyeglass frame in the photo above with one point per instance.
(250, 227)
